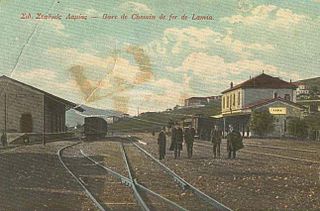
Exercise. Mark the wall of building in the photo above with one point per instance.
(54, 116)
(232, 100)
(281, 121)
(20, 100)
(254, 95)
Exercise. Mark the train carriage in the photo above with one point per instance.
(95, 128)
(202, 125)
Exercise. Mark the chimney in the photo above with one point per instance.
(290, 81)
(231, 85)
(250, 77)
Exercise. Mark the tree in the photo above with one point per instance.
(314, 91)
(298, 128)
(262, 122)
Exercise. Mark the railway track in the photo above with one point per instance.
(151, 185)
(137, 188)
(211, 203)
(147, 172)
(145, 203)
(104, 190)
(281, 148)
(272, 154)
(147, 176)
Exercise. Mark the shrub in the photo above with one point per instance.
(262, 122)
(298, 128)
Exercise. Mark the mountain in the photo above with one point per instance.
(74, 117)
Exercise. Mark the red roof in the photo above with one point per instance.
(267, 101)
(298, 83)
(264, 81)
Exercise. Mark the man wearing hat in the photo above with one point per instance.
(162, 144)
(234, 142)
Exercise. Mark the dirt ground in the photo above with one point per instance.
(267, 175)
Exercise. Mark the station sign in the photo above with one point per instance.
(278, 110)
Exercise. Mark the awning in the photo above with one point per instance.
(217, 116)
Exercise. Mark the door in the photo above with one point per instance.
(26, 123)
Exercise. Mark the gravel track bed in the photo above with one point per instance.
(275, 151)
(109, 153)
(250, 182)
(291, 144)
(294, 154)
(105, 188)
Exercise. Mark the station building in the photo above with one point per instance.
(26, 109)
(260, 93)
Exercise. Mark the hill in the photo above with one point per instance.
(74, 118)
(154, 120)
(312, 82)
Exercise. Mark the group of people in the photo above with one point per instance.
(177, 136)
(234, 141)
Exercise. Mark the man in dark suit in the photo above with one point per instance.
(189, 139)
(162, 144)
(179, 140)
(234, 142)
(216, 137)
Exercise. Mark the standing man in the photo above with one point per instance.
(162, 144)
(179, 140)
(4, 140)
(173, 137)
(234, 142)
(189, 139)
(216, 136)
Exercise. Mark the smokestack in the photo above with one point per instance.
(231, 85)
(290, 81)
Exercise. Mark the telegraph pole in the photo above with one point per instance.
(44, 122)
(5, 113)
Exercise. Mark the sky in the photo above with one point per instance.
(152, 65)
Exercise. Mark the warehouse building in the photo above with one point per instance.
(26, 109)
